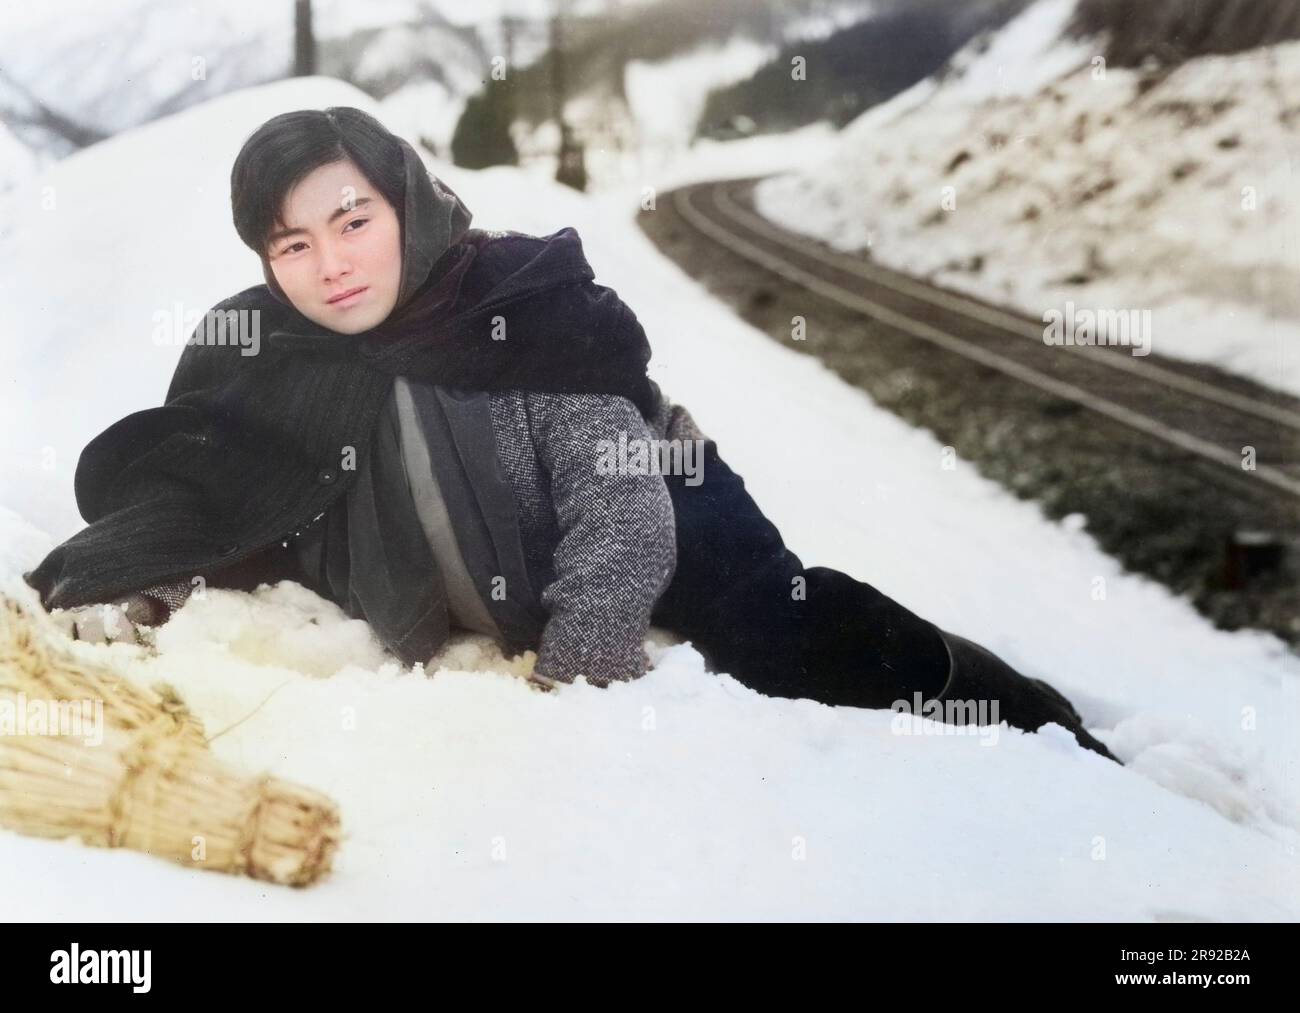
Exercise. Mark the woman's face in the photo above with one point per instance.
(339, 235)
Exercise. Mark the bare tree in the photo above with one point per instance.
(304, 40)
(572, 170)
(38, 114)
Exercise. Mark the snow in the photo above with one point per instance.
(825, 22)
(646, 128)
(1177, 198)
(17, 161)
(1027, 54)
(667, 97)
(122, 63)
(403, 46)
(468, 795)
(426, 109)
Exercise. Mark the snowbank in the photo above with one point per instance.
(1030, 174)
(466, 795)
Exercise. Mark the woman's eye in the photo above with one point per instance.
(355, 221)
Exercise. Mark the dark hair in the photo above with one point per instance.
(286, 148)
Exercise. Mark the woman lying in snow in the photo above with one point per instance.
(413, 418)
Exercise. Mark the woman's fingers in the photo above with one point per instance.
(96, 624)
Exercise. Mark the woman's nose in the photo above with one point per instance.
(334, 264)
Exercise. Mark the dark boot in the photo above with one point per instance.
(979, 674)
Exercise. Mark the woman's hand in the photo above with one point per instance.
(112, 622)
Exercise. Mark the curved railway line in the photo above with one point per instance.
(1211, 419)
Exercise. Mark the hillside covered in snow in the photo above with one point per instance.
(1032, 173)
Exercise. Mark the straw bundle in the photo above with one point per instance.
(145, 779)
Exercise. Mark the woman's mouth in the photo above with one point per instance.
(349, 298)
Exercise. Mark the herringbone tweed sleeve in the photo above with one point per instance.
(618, 549)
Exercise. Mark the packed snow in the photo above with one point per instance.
(18, 163)
(467, 795)
(667, 97)
(1030, 174)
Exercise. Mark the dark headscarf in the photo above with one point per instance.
(564, 332)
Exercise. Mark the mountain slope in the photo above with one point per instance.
(1031, 173)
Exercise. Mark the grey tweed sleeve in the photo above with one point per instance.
(618, 548)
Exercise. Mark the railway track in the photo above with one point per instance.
(1190, 408)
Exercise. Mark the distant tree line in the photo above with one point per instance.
(854, 68)
(1171, 31)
